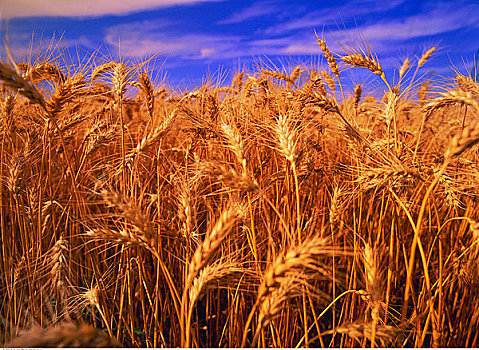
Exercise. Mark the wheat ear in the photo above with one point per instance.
(425, 57)
(468, 84)
(373, 287)
(41, 72)
(229, 176)
(451, 98)
(333, 65)
(363, 61)
(66, 335)
(283, 276)
(201, 258)
(13, 80)
(461, 142)
(404, 67)
(148, 93)
(212, 242)
(236, 143)
(65, 93)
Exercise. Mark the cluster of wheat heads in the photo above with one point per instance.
(281, 211)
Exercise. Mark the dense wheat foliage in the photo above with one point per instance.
(286, 210)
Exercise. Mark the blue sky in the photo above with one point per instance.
(195, 39)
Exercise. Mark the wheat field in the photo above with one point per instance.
(289, 208)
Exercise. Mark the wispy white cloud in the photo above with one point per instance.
(82, 8)
(140, 39)
(333, 15)
(286, 45)
(430, 23)
(262, 8)
(137, 28)
(24, 46)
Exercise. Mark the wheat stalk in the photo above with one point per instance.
(329, 80)
(237, 82)
(58, 261)
(365, 330)
(211, 275)
(229, 176)
(336, 207)
(287, 138)
(212, 242)
(129, 210)
(7, 107)
(150, 139)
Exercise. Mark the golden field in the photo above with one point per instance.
(284, 210)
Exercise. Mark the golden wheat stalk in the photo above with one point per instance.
(129, 210)
(359, 331)
(8, 117)
(211, 275)
(357, 96)
(151, 138)
(57, 261)
(468, 84)
(287, 138)
(237, 82)
(186, 187)
(335, 209)
(329, 80)
(102, 69)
